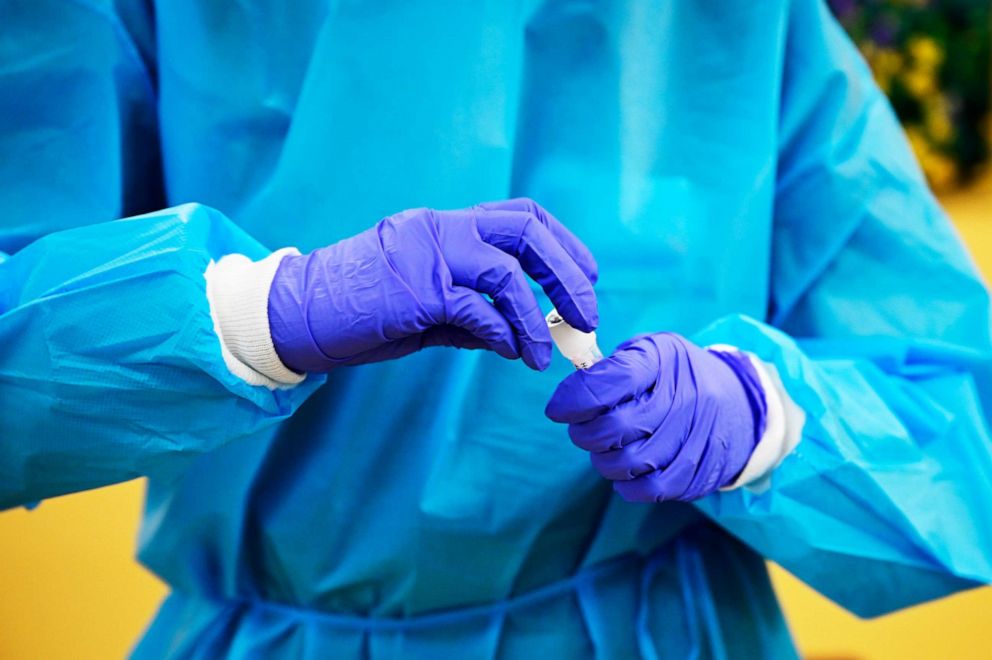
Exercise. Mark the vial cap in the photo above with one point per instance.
(580, 348)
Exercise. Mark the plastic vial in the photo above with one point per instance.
(580, 348)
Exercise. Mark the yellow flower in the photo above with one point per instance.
(937, 119)
(940, 127)
(888, 61)
(941, 171)
(917, 141)
(885, 63)
(920, 83)
(926, 53)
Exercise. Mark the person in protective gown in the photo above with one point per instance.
(803, 362)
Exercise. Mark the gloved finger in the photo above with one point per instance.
(625, 463)
(439, 335)
(484, 268)
(468, 310)
(619, 426)
(623, 376)
(498, 275)
(576, 248)
(655, 451)
(672, 482)
(656, 486)
(523, 236)
(450, 335)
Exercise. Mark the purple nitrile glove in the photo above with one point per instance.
(663, 418)
(418, 279)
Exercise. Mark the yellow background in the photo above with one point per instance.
(70, 588)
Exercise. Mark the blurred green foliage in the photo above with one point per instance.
(933, 60)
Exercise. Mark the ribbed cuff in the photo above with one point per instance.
(783, 424)
(238, 293)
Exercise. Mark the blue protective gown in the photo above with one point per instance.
(733, 168)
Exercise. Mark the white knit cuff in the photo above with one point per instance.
(238, 293)
(783, 424)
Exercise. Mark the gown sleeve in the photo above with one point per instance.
(110, 367)
(879, 331)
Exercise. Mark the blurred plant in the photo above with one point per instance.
(933, 60)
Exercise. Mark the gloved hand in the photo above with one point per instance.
(417, 279)
(663, 418)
